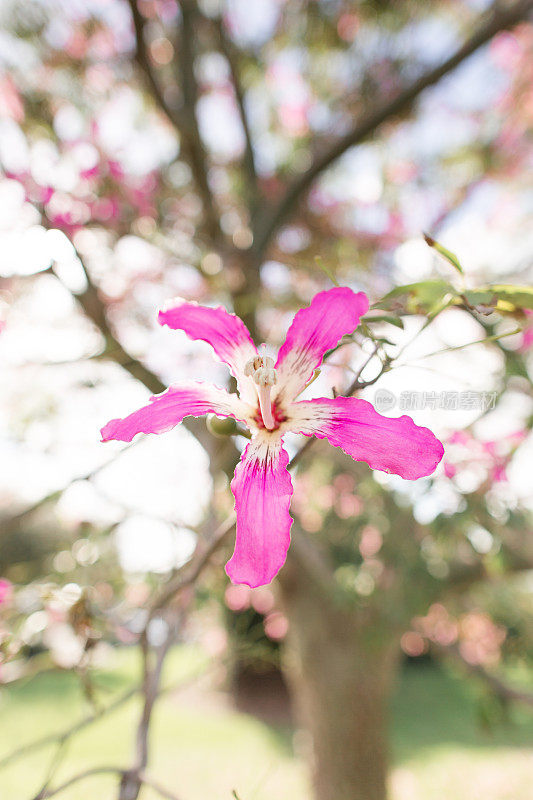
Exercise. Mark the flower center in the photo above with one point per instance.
(261, 370)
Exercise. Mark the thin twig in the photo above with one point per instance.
(65, 735)
(357, 383)
(88, 773)
(188, 574)
(54, 766)
(498, 686)
(166, 793)
(68, 733)
(451, 349)
(231, 54)
(300, 453)
(500, 19)
(355, 386)
(56, 494)
(94, 308)
(142, 777)
(151, 693)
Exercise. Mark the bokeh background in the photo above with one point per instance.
(250, 154)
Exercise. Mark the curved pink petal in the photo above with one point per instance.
(314, 331)
(391, 444)
(169, 408)
(226, 333)
(263, 489)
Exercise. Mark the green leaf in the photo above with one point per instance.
(424, 297)
(507, 299)
(445, 253)
(396, 321)
(383, 340)
(517, 296)
(480, 300)
(320, 263)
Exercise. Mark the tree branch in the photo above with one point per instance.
(188, 575)
(500, 19)
(148, 781)
(94, 308)
(75, 779)
(183, 119)
(230, 53)
(143, 60)
(67, 734)
(498, 686)
(16, 519)
(197, 153)
(143, 778)
(95, 716)
(151, 682)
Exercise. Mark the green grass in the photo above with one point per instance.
(442, 752)
(202, 749)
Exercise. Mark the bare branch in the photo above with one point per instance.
(196, 150)
(182, 119)
(231, 54)
(502, 17)
(54, 766)
(143, 779)
(88, 773)
(94, 308)
(149, 781)
(188, 574)
(151, 693)
(16, 519)
(143, 59)
(67, 734)
(300, 453)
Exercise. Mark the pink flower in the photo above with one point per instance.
(267, 405)
(6, 590)
(450, 470)
(527, 335)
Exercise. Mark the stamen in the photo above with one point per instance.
(261, 370)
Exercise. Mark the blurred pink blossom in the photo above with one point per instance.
(6, 591)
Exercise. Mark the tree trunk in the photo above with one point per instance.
(340, 663)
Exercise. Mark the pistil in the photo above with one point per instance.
(265, 405)
(261, 370)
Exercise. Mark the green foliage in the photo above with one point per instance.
(424, 297)
(445, 253)
(505, 298)
(430, 297)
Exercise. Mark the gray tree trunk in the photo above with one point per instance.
(340, 664)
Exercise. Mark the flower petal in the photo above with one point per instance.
(313, 332)
(226, 333)
(169, 408)
(391, 444)
(263, 489)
